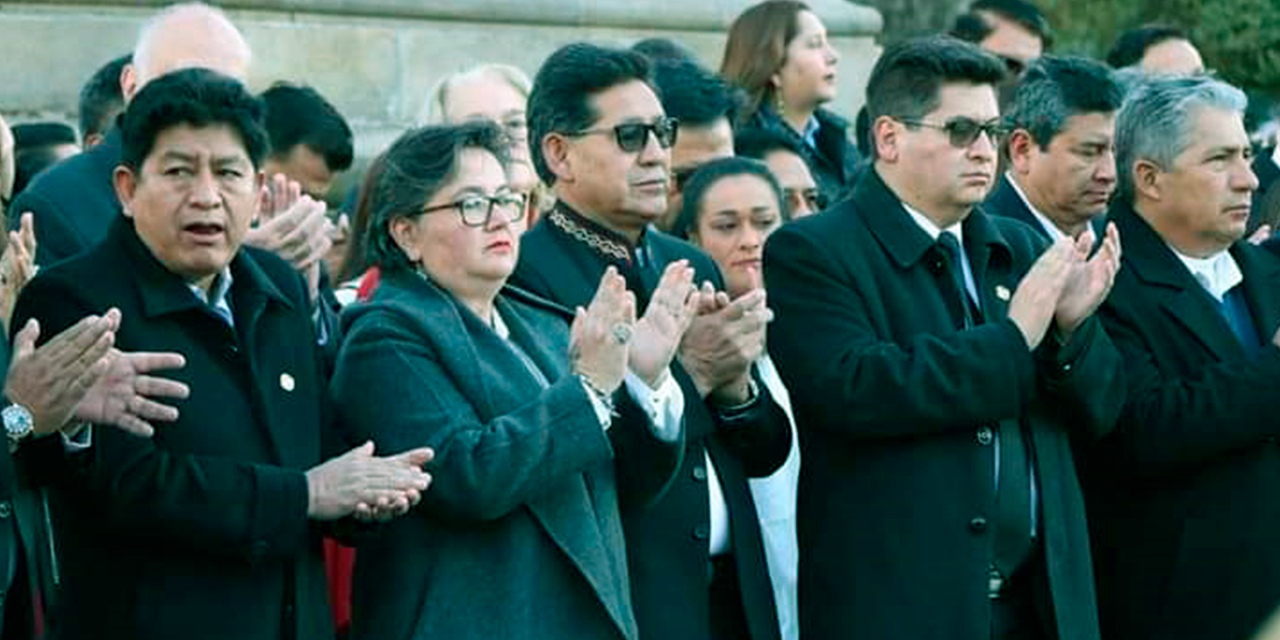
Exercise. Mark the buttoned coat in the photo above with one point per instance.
(202, 530)
(519, 535)
(667, 545)
(1182, 494)
(896, 406)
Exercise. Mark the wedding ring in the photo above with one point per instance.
(622, 333)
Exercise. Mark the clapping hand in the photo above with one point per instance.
(1090, 280)
(658, 332)
(723, 341)
(601, 333)
(368, 487)
(17, 266)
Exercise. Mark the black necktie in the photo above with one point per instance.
(1011, 543)
(951, 248)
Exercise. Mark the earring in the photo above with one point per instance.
(779, 105)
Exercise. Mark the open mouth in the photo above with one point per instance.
(204, 229)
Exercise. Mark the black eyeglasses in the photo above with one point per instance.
(1014, 65)
(632, 136)
(811, 197)
(963, 132)
(476, 209)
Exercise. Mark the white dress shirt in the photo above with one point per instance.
(1217, 273)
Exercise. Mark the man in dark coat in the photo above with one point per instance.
(1061, 166)
(1182, 495)
(937, 390)
(600, 137)
(206, 530)
(75, 377)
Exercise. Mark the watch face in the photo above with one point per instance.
(17, 420)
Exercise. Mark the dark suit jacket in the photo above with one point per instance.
(1266, 200)
(201, 531)
(519, 535)
(1182, 495)
(73, 202)
(667, 544)
(892, 402)
(834, 162)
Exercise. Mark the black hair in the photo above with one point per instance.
(1025, 14)
(906, 79)
(715, 171)
(759, 143)
(30, 135)
(194, 97)
(561, 98)
(299, 115)
(970, 27)
(694, 95)
(660, 49)
(1055, 88)
(1132, 45)
(416, 166)
(101, 99)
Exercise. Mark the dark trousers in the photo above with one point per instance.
(1023, 609)
(728, 619)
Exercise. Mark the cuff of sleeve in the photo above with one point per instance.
(603, 414)
(280, 523)
(664, 405)
(81, 441)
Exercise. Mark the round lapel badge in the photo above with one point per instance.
(286, 382)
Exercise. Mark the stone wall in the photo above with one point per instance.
(377, 59)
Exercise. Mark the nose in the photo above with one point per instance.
(833, 56)
(653, 152)
(1105, 170)
(204, 190)
(984, 147)
(1243, 177)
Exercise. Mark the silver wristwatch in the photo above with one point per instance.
(18, 423)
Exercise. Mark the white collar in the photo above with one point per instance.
(932, 229)
(1275, 154)
(500, 327)
(217, 293)
(1217, 273)
(1055, 234)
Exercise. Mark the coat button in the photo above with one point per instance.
(978, 524)
(5, 510)
(702, 531)
(985, 436)
(700, 473)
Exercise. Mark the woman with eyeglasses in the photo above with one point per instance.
(536, 447)
(498, 93)
(778, 52)
(731, 205)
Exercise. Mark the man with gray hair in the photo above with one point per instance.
(1062, 166)
(1182, 495)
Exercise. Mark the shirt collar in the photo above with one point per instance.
(602, 240)
(216, 296)
(932, 229)
(1217, 273)
(810, 133)
(1055, 234)
(1275, 155)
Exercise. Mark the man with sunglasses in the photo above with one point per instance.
(940, 361)
(1062, 166)
(601, 139)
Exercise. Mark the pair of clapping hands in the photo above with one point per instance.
(79, 377)
(296, 227)
(715, 338)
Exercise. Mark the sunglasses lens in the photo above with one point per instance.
(963, 131)
(666, 130)
(631, 137)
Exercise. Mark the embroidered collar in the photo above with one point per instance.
(593, 234)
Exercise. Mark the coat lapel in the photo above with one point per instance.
(1174, 288)
(489, 372)
(990, 258)
(1261, 288)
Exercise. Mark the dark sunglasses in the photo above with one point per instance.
(632, 136)
(963, 132)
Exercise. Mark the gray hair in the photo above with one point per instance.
(212, 22)
(1154, 123)
(1054, 89)
(433, 112)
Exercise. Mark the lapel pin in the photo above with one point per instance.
(1002, 292)
(286, 382)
